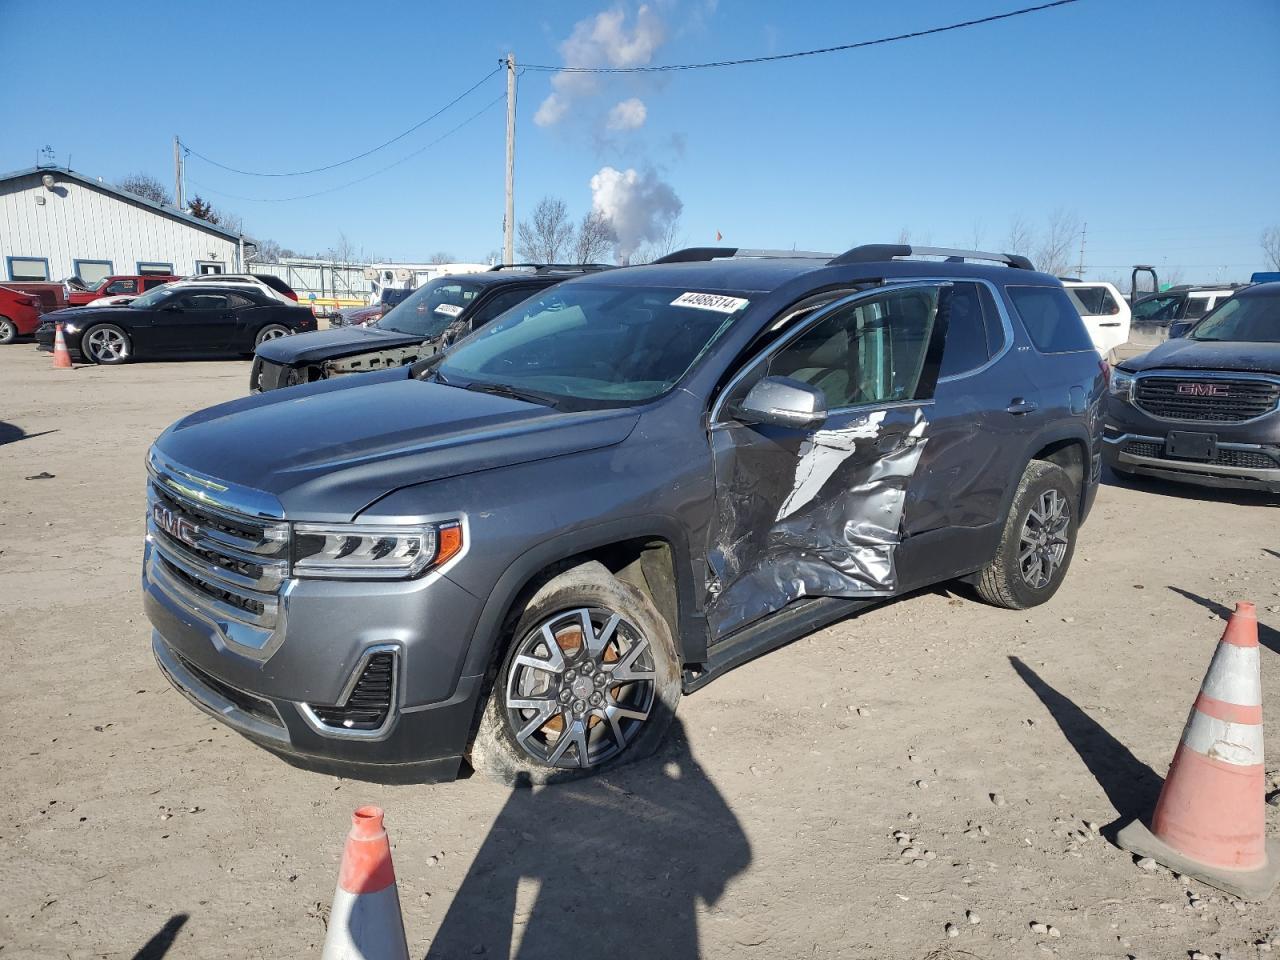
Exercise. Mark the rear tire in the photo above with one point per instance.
(1038, 540)
(603, 700)
(8, 330)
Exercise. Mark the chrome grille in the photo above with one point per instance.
(226, 564)
(1178, 398)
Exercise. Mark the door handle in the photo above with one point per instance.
(1114, 323)
(1019, 406)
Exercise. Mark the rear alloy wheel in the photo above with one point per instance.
(1038, 540)
(8, 330)
(106, 344)
(272, 331)
(590, 679)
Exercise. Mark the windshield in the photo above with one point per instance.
(1156, 308)
(429, 310)
(1255, 319)
(99, 285)
(151, 298)
(594, 342)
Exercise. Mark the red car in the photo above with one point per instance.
(19, 314)
(116, 285)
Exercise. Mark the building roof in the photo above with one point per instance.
(66, 173)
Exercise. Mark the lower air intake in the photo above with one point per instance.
(370, 701)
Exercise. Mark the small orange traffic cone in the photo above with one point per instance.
(61, 357)
(1210, 821)
(365, 922)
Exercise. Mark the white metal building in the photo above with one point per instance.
(56, 223)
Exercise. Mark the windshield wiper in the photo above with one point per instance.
(515, 393)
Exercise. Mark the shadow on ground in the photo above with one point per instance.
(610, 866)
(159, 945)
(1130, 785)
(12, 433)
(1267, 636)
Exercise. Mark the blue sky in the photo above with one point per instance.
(1154, 122)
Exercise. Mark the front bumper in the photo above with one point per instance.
(1145, 455)
(273, 685)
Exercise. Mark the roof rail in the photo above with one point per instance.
(702, 254)
(551, 267)
(875, 252)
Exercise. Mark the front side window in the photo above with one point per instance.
(1051, 320)
(429, 310)
(871, 351)
(499, 304)
(1156, 309)
(28, 268)
(594, 344)
(205, 301)
(1255, 319)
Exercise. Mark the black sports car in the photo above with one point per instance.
(433, 316)
(175, 321)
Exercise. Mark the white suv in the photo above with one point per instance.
(272, 286)
(1104, 311)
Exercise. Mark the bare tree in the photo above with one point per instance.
(442, 256)
(904, 236)
(1019, 238)
(344, 251)
(550, 234)
(669, 240)
(1271, 246)
(594, 239)
(977, 231)
(1054, 252)
(146, 186)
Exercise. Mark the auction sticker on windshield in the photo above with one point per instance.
(449, 309)
(709, 301)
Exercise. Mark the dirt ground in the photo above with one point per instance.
(765, 828)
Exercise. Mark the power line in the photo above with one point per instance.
(547, 68)
(358, 156)
(350, 183)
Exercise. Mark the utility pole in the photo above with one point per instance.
(177, 172)
(1080, 267)
(509, 219)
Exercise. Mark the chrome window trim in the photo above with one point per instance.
(1202, 375)
(338, 733)
(817, 316)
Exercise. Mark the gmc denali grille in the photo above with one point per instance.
(232, 565)
(1209, 400)
(370, 700)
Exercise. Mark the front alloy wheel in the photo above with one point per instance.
(106, 344)
(1043, 543)
(580, 688)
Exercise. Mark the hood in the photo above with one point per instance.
(1184, 354)
(79, 314)
(331, 344)
(328, 450)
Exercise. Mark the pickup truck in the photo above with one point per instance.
(116, 285)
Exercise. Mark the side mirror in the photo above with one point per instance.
(1180, 328)
(783, 402)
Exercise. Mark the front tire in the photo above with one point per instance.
(589, 680)
(272, 331)
(8, 330)
(106, 344)
(1038, 540)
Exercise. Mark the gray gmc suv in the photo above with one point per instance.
(525, 550)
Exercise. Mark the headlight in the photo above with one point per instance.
(70, 328)
(361, 551)
(1122, 385)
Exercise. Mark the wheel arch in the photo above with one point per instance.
(1067, 445)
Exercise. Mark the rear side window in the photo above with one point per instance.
(1090, 298)
(1109, 305)
(1052, 323)
(968, 344)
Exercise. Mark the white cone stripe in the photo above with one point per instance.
(1235, 743)
(365, 926)
(1234, 676)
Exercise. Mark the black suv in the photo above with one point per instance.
(417, 326)
(524, 550)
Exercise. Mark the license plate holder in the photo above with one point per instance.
(1191, 446)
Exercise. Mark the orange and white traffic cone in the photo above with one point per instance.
(61, 356)
(1210, 820)
(365, 922)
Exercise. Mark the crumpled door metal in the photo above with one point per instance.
(810, 514)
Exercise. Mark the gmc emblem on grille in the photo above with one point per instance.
(177, 527)
(1203, 390)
